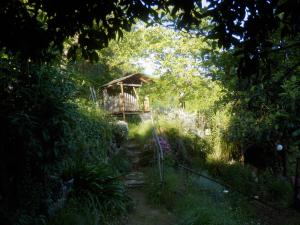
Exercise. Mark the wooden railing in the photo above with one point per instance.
(125, 103)
(159, 152)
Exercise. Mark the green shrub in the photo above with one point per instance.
(89, 132)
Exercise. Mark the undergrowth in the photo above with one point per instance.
(265, 185)
(47, 127)
(199, 153)
(194, 205)
(97, 196)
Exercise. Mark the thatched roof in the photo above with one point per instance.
(136, 78)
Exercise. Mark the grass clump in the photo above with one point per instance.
(97, 196)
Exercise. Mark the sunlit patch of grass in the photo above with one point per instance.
(141, 132)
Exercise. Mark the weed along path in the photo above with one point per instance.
(142, 213)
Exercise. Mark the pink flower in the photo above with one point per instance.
(164, 144)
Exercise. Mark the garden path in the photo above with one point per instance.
(143, 213)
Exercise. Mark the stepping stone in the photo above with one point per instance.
(135, 176)
(131, 145)
(136, 160)
(133, 153)
(134, 183)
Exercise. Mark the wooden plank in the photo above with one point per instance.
(131, 85)
(144, 80)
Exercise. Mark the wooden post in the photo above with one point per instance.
(122, 100)
(105, 98)
(146, 104)
(297, 186)
(137, 98)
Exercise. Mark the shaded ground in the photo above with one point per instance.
(145, 214)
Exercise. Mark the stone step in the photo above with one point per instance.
(131, 145)
(135, 161)
(135, 176)
(133, 153)
(134, 183)
(131, 139)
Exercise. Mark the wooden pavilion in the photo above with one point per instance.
(120, 96)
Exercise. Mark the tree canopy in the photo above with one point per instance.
(32, 27)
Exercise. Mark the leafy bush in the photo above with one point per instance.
(89, 132)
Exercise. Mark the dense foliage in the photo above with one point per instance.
(47, 128)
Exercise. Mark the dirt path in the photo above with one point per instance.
(145, 214)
